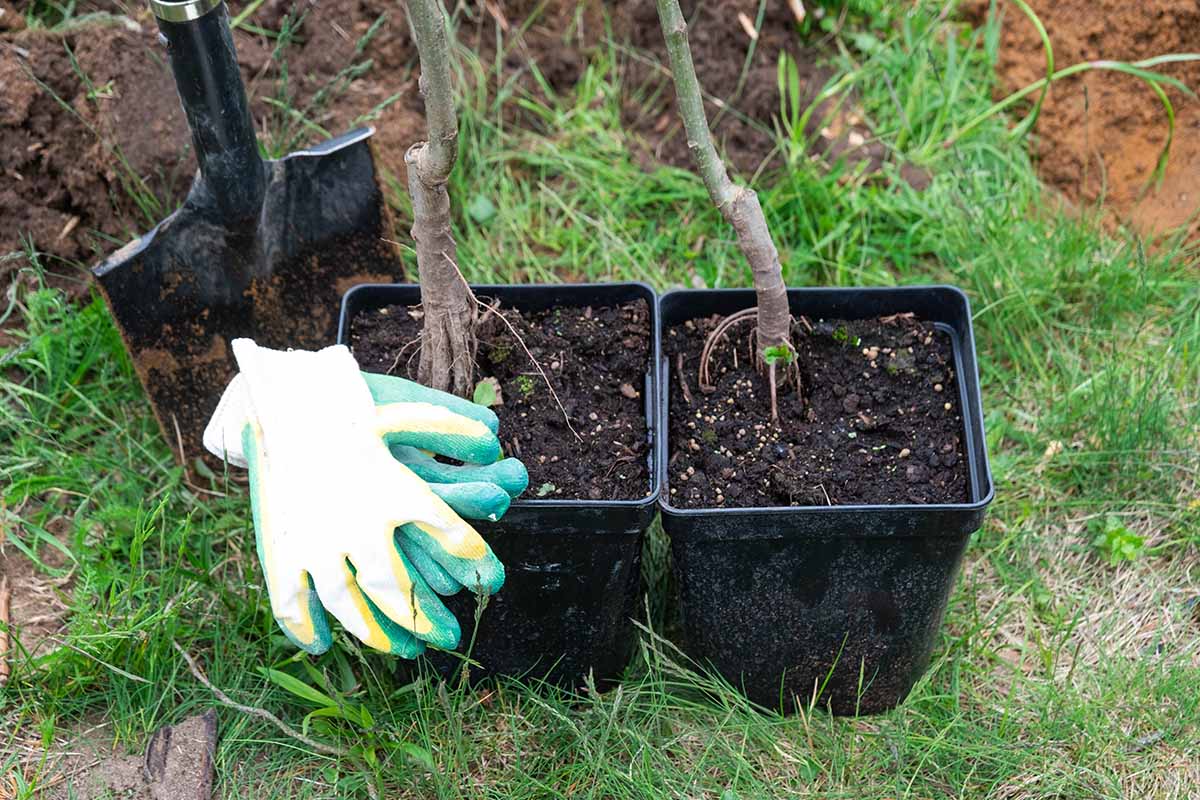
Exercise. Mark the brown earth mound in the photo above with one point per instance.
(1100, 134)
(87, 120)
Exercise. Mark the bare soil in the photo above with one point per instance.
(72, 152)
(1099, 134)
(177, 765)
(877, 421)
(69, 168)
(741, 73)
(597, 360)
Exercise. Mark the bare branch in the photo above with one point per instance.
(437, 155)
(738, 204)
(255, 711)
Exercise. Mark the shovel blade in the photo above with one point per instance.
(181, 293)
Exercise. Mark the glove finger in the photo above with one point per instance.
(464, 555)
(438, 430)
(508, 473)
(294, 601)
(223, 434)
(438, 579)
(387, 389)
(473, 500)
(395, 587)
(342, 597)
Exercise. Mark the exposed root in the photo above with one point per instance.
(448, 337)
(682, 378)
(255, 711)
(705, 373)
(714, 338)
(415, 343)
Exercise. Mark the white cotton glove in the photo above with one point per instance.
(336, 514)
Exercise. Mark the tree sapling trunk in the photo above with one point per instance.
(448, 339)
(738, 204)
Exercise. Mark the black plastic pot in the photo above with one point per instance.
(844, 601)
(573, 566)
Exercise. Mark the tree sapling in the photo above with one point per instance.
(448, 340)
(738, 205)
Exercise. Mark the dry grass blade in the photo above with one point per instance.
(5, 605)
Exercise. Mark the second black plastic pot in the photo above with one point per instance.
(572, 566)
(840, 603)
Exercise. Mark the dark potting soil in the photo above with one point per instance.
(878, 423)
(596, 359)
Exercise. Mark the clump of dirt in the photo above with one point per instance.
(177, 765)
(1100, 133)
(879, 421)
(596, 358)
(88, 119)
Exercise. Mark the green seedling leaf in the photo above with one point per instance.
(481, 209)
(779, 354)
(354, 714)
(545, 489)
(418, 755)
(297, 687)
(1115, 541)
(487, 393)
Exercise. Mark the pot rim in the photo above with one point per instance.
(973, 406)
(653, 434)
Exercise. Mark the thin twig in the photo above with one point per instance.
(687, 393)
(492, 310)
(774, 396)
(255, 711)
(5, 598)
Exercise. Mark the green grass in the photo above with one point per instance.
(1056, 674)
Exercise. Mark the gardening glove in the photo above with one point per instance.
(328, 496)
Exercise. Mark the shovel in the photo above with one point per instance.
(259, 249)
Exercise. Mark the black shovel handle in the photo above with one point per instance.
(204, 61)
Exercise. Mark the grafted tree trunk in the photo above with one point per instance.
(738, 204)
(448, 339)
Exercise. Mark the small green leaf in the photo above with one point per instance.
(418, 755)
(545, 489)
(355, 714)
(487, 393)
(1115, 541)
(779, 354)
(481, 209)
(297, 687)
